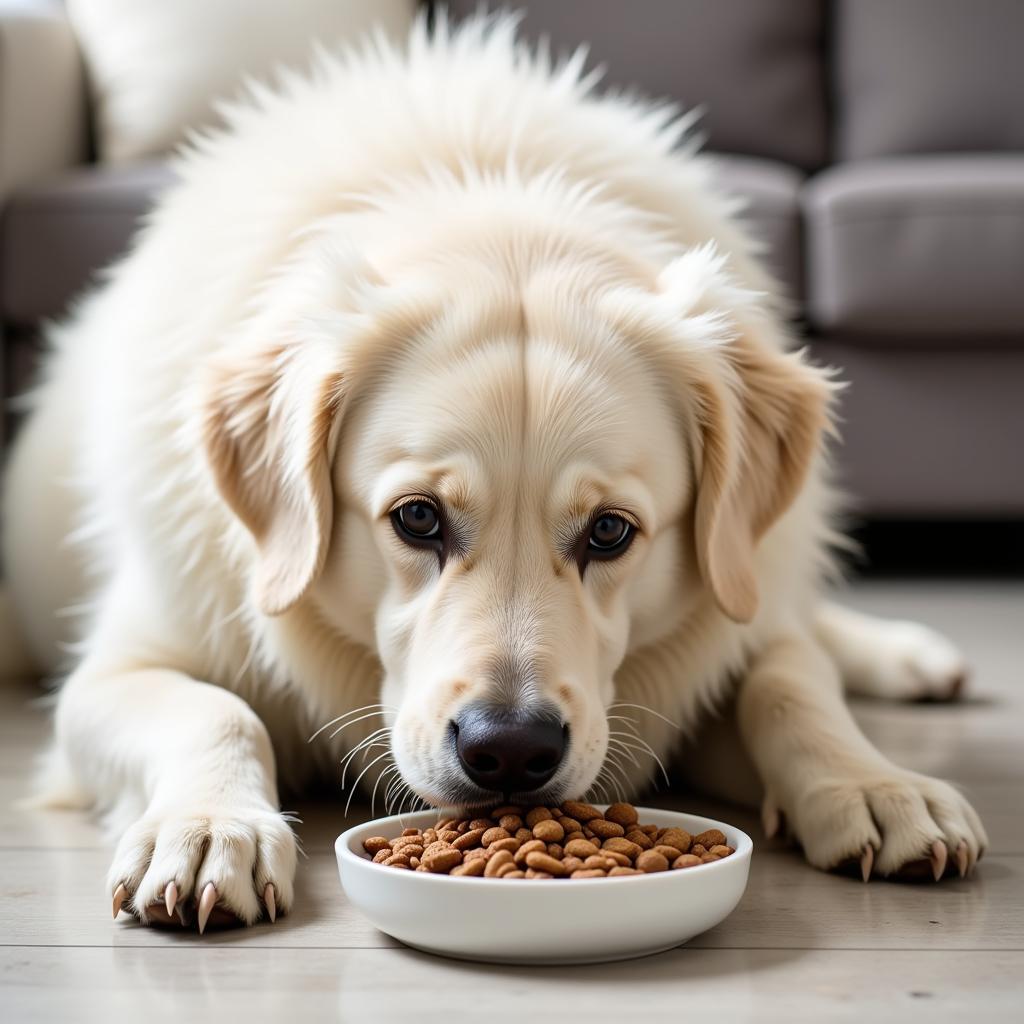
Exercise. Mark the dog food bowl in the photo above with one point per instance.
(543, 921)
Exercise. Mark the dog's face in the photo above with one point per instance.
(506, 499)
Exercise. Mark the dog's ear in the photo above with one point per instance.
(269, 413)
(757, 445)
(760, 412)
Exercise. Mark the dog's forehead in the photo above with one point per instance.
(572, 417)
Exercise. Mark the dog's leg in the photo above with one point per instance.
(188, 770)
(841, 798)
(890, 658)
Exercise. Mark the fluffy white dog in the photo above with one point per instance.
(445, 401)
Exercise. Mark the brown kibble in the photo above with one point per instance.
(589, 873)
(375, 844)
(581, 848)
(468, 839)
(399, 864)
(441, 862)
(549, 830)
(676, 837)
(484, 823)
(649, 830)
(537, 814)
(492, 835)
(396, 858)
(570, 836)
(534, 845)
(511, 823)
(524, 835)
(463, 826)
(698, 850)
(642, 839)
(382, 855)
(448, 835)
(569, 824)
(514, 874)
(556, 850)
(470, 868)
(713, 837)
(575, 864)
(624, 846)
(686, 860)
(580, 811)
(445, 824)
(617, 858)
(422, 867)
(622, 814)
(501, 812)
(410, 831)
(505, 869)
(707, 858)
(606, 829)
(544, 862)
(414, 862)
(721, 851)
(494, 863)
(617, 871)
(668, 852)
(651, 861)
(531, 873)
(478, 853)
(511, 844)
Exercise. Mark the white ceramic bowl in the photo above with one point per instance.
(543, 921)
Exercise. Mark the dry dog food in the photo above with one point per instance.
(574, 840)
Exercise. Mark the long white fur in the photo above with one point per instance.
(397, 217)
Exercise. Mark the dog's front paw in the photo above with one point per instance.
(893, 824)
(225, 867)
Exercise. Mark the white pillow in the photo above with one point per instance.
(156, 66)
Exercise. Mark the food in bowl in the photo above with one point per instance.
(572, 841)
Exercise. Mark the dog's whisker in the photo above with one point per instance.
(354, 721)
(364, 750)
(643, 707)
(373, 794)
(617, 744)
(355, 785)
(360, 748)
(354, 711)
(647, 749)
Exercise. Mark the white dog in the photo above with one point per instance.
(442, 399)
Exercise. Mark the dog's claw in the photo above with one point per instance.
(170, 897)
(119, 897)
(206, 904)
(962, 859)
(938, 858)
(268, 899)
(867, 862)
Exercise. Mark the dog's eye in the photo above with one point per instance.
(609, 536)
(417, 522)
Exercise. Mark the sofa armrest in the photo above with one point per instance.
(43, 105)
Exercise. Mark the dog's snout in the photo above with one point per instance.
(509, 751)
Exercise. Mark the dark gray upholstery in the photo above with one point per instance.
(56, 235)
(930, 433)
(924, 246)
(755, 66)
(928, 76)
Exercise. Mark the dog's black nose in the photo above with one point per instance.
(509, 751)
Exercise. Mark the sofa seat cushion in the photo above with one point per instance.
(772, 214)
(918, 246)
(56, 235)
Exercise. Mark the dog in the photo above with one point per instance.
(445, 401)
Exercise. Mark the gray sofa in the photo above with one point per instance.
(880, 145)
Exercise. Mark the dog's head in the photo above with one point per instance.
(504, 489)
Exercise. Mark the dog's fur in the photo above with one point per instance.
(455, 271)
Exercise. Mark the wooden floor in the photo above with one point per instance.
(801, 946)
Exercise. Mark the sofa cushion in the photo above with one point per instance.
(755, 67)
(929, 434)
(157, 70)
(772, 214)
(55, 236)
(920, 76)
(926, 246)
